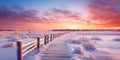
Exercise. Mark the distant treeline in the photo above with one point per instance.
(7, 30)
(86, 30)
(13, 30)
(69, 30)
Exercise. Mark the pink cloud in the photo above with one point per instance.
(62, 15)
(106, 12)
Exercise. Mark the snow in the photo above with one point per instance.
(90, 45)
(8, 53)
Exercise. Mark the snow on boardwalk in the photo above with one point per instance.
(57, 50)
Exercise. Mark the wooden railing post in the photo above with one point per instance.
(51, 37)
(45, 39)
(19, 50)
(56, 35)
(38, 42)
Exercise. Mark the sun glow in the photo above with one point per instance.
(73, 26)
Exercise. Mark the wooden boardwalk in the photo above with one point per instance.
(56, 51)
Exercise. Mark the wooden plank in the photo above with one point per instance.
(28, 43)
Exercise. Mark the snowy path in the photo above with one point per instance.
(57, 50)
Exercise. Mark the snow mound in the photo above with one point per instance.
(102, 57)
(74, 42)
(96, 38)
(24, 37)
(78, 49)
(89, 46)
(83, 51)
(83, 39)
(12, 44)
(15, 38)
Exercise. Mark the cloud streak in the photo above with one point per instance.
(17, 14)
(62, 15)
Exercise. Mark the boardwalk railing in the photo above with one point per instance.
(23, 49)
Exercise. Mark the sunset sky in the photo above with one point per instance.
(59, 14)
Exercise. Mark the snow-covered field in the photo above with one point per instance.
(83, 45)
(95, 45)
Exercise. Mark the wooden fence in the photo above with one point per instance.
(23, 49)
